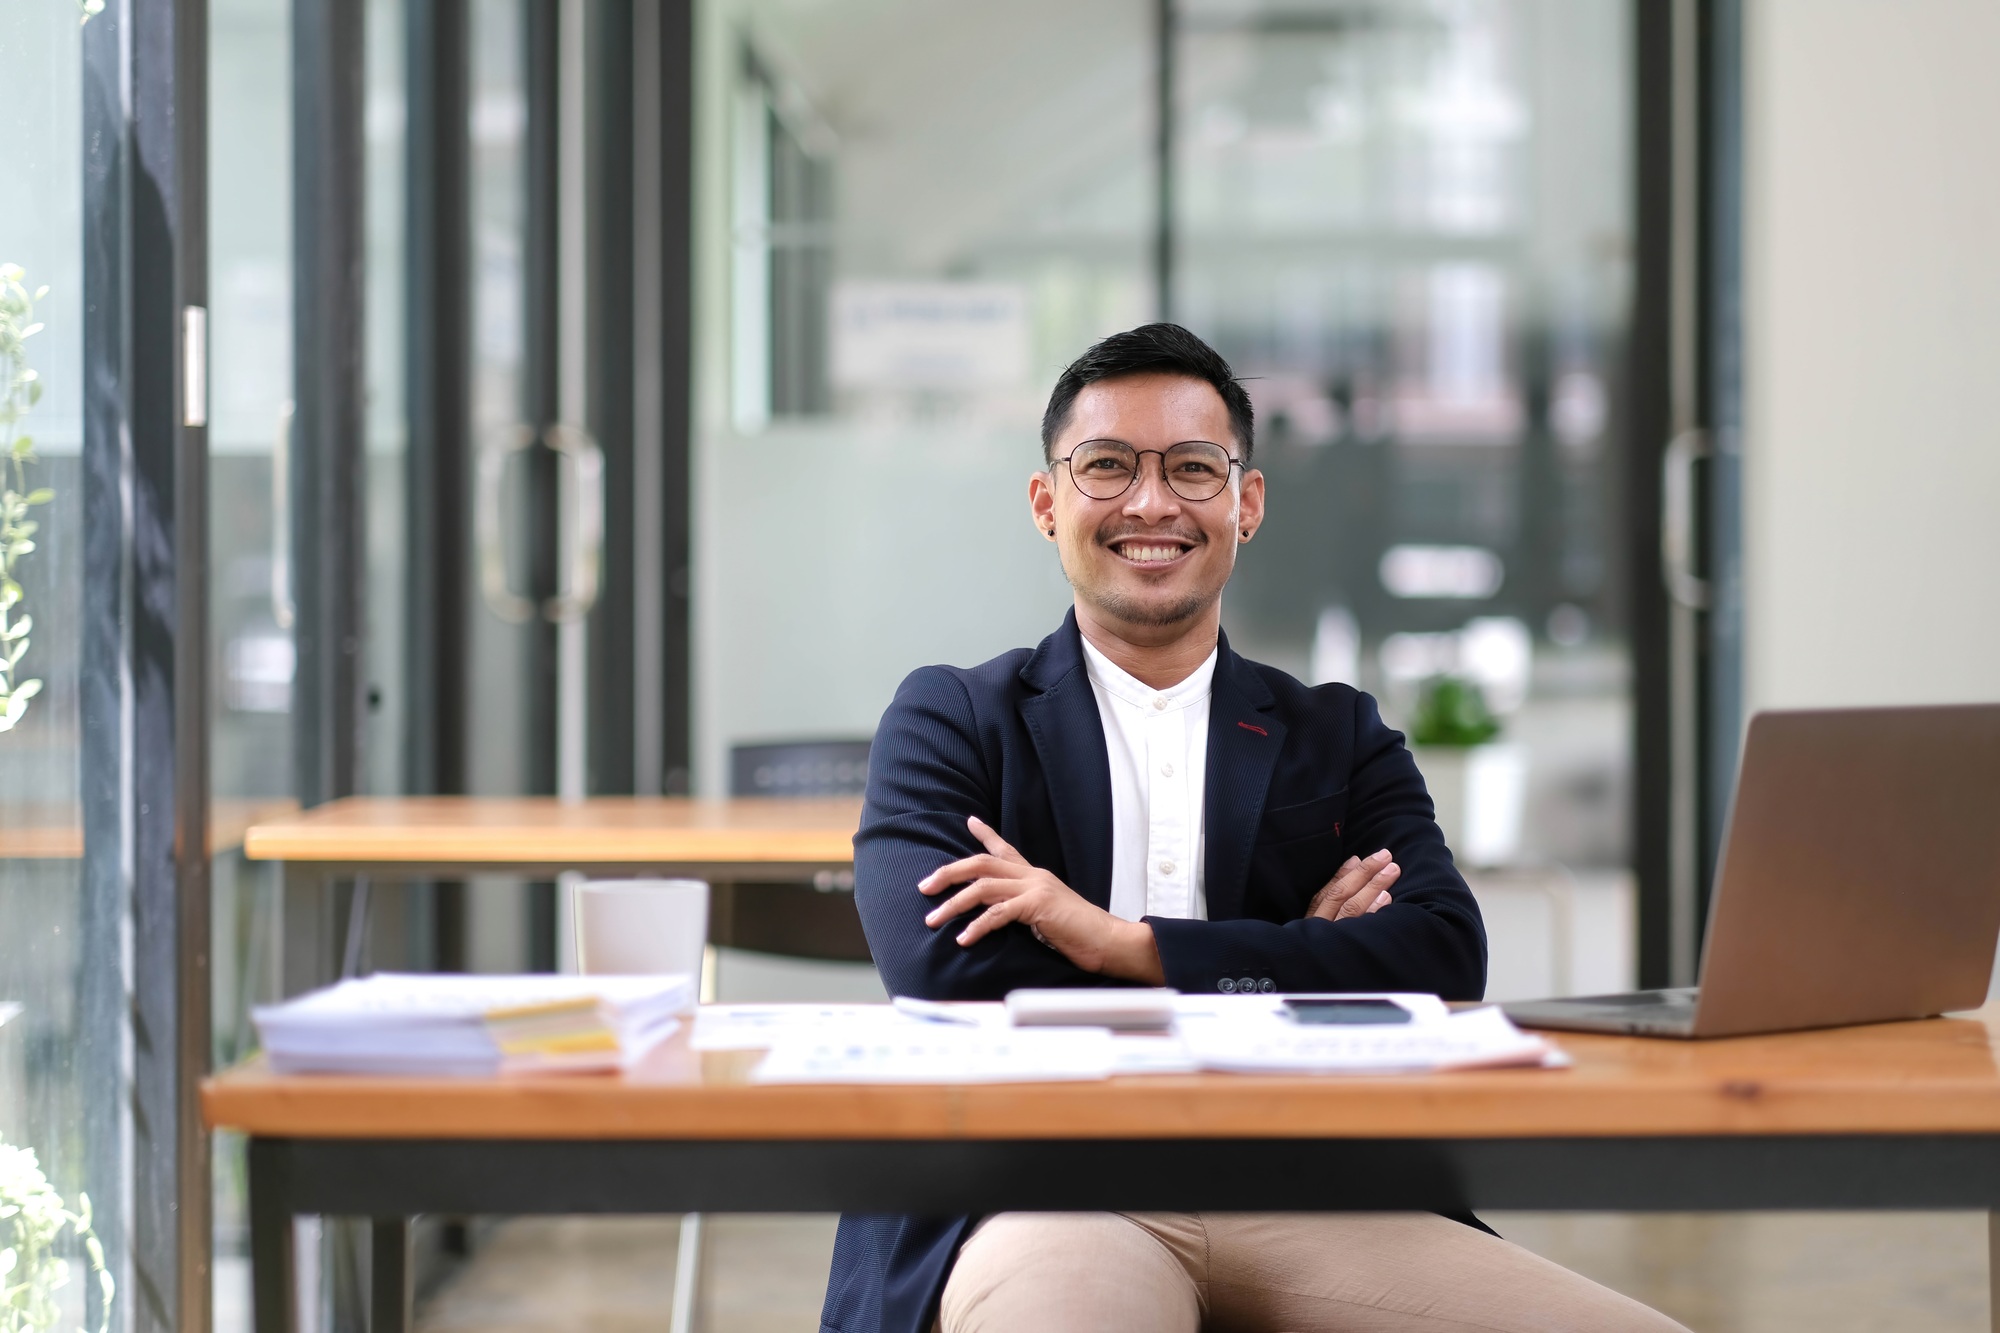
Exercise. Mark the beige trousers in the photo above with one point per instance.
(1266, 1273)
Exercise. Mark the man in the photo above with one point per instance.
(1132, 803)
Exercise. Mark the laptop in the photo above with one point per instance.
(1859, 881)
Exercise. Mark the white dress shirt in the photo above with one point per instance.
(1157, 742)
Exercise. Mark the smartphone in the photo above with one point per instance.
(1346, 1011)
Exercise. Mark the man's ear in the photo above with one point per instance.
(1042, 503)
(1250, 508)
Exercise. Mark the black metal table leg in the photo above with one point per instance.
(272, 1264)
(390, 1277)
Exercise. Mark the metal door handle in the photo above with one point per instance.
(582, 523)
(487, 535)
(583, 530)
(283, 609)
(1677, 518)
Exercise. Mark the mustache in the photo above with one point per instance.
(1192, 536)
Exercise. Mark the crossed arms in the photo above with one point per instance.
(952, 909)
(1002, 882)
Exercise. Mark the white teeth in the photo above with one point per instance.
(1151, 554)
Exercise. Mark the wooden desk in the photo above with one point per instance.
(451, 837)
(1903, 1115)
(363, 839)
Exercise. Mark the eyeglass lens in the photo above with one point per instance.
(1105, 469)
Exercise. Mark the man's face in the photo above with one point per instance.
(1149, 560)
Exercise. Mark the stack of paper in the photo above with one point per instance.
(457, 1025)
(1271, 1044)
(918, 1041)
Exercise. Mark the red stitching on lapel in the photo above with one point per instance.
(1247, 727)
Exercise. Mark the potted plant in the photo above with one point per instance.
(32, 1219)
(20, 390)
(1478, 783)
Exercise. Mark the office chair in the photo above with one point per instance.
(636, 927)
(814, 921)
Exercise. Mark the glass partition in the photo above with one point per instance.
(251, 604)
(911, 217)
(1408, 228)
(62, 1057)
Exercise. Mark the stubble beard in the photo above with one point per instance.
(1135, 612)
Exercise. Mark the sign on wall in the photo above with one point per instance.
(929, 335)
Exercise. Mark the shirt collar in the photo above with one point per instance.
(1127, 688)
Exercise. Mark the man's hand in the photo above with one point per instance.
(1002, 881)
(1357, 888)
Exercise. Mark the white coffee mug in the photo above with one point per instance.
(641, 927)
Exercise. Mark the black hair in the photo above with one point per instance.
(1150, 349)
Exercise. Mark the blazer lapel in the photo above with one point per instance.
(1244, 738)
(1068, 734)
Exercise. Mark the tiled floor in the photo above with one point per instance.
(1757, 1273)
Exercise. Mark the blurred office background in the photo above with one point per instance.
(1626, 360)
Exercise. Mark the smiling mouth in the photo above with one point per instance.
(1150, 552)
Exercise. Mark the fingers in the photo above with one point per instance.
(992, 841)
(990, 920)
(999, 852)
(958, 872)
(1382, 900)
(967, 898)
(1326, 890)
(1352, 877)
(1357, 872)
(1371, 894)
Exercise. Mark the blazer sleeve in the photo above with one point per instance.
(926, 775)
(1429, 938)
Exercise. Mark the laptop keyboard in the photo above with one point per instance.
(1647, 998)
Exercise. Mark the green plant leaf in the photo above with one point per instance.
(18, 628)
(1452, 711)
(41, 496)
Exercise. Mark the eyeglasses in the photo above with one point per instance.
(1192, 469)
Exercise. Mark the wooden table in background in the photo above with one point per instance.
(362, 840)
(452, 837)
(1903, 1115)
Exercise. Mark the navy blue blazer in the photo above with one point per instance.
(1298, 780)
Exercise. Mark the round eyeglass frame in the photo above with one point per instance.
(1138, 463)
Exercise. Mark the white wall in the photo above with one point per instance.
(1872, 452)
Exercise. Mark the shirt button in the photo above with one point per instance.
(1247, 985)
(1268, 986)
(1226, 986)
(1166, 770)
(1160, 703)
(1166, 867)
